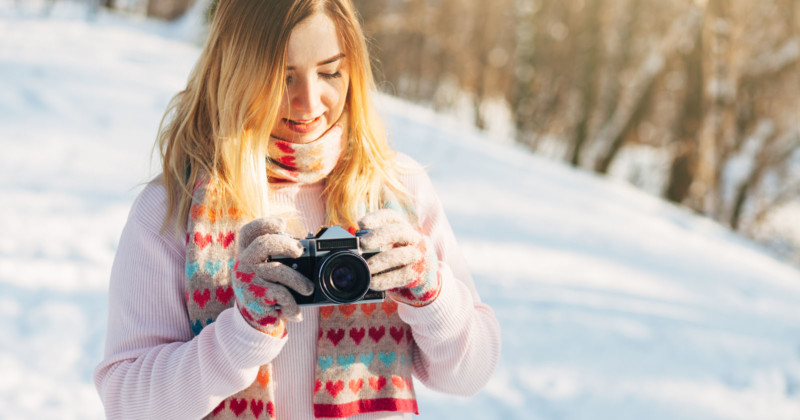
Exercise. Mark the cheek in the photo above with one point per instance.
(283, 107)
(335, 94)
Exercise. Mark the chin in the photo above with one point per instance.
(302, 137)
(297, 137)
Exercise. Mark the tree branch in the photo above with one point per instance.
(774, 61)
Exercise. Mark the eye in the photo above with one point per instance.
(289, 79)
(330, 75)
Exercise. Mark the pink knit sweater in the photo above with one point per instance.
(155, 369)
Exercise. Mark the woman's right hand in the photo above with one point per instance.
(260, 285)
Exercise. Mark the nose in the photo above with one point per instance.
(305, 97)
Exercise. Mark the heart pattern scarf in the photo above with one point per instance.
(363, 350)
(306, 163)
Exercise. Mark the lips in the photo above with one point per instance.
(302, 126)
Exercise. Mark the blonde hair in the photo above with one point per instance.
(218, 127)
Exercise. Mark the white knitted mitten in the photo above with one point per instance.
(260, 284)
(407, 266)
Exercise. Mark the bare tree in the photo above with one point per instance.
(707, 90)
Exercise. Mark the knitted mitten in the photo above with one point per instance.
(407, 266)
(259, 284)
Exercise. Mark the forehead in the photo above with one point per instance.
(312, 40)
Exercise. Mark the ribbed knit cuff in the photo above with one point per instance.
(245, 346)
(445, 316)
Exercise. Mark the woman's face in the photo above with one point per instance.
(317, 81)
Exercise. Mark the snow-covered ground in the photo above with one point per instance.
(614, 304)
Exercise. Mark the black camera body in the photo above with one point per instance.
(337, 266)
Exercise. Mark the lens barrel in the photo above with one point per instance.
(344, 277)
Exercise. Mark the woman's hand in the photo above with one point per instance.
(407, 266)
(260, 285)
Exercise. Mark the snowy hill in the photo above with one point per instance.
(613, 304)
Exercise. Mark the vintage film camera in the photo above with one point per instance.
(337, 266)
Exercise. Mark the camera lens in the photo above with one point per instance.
(344, 277)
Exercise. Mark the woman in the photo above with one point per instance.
(203, 322)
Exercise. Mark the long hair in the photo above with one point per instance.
(218, 127)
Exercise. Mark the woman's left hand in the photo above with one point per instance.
(407, 267)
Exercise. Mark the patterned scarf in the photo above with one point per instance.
(363, 350)
(310, 162)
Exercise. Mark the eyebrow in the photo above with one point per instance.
(333, 59)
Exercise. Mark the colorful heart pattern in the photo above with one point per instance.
(335, 336)
(326, 311)
(397, 333)
(366, 358)
(346, 361)
(263, 377)
(224, 294)
(377, 382)
(368, 337)
(347, 310)
(223, 239)
(334, 388)
(325, 362)
(389, 307)
(387, 358)
(357, 334)
(201, 298)
(199, 210)
(377, 333)
(256, 406)
(212, 267)
(355, 385)
(197, 326)
(192, 268)
(208, 267)
(240, 405)
(398, 382)
(201, 240)
(219, 408)
(368, 308)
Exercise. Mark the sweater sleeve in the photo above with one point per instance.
(153, 366)
(457, 336)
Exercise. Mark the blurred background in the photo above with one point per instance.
(620, 153)
(695, 101)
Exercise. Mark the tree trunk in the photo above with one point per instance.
(706, 185)
(612, 135)
(683, 169)
(482, 44)
(167, 9)
(590, 45)
(616, 143)
(618, 59)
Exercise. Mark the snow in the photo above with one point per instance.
(613, 303)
